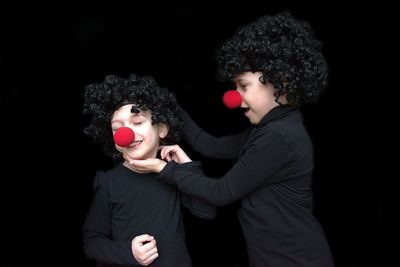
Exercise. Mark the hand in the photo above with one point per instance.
(144, 249)
(144, 165)
(175, 153)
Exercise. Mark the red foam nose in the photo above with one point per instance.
(124, 136)
(232, 99)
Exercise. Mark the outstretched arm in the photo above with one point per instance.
(208, 145)
(197, 206)
(259, 165)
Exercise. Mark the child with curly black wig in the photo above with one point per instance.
(277, 65)
(134, 218)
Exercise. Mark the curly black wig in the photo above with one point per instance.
(284, 50)
(102, 99)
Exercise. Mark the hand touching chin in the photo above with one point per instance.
(144, 165)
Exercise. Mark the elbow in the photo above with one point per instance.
(212, 214)
(221, 202)
(207, 214)
(221, 197)
(89, 250)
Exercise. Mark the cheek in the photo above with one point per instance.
(141, 131)
(120, 149)
(249, 99)
(243, 95)
(151, 134)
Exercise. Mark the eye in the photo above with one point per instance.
(242, 87)
(138, 121)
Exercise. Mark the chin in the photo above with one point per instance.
(252, 121)
(140, 156)
(133, 155)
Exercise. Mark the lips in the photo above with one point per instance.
(135, 143)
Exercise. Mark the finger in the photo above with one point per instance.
(150, 253)
(168, 157)
(150, 259)
(162, 153)
(143, 238)
(165, 151)
(135, 163)
(149, 246)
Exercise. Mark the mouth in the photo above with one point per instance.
(135, 143)
(246, 111)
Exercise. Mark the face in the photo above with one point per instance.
(147, 136)
(258, 98)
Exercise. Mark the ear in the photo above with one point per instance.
(162, 130)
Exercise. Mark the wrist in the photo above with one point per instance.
(166, 174)
(161, 166)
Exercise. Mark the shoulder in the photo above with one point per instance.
(272, 136)
(99, 180)
(287, 127)
(280, 133)
(289, 133)
(103, 178)
(115, 171)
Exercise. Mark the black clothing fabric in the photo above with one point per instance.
(127, 204)
(272, 177)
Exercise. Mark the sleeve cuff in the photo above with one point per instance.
(167, 173)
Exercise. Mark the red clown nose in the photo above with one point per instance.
(124, 136)
(232, 99)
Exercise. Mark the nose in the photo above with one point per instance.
(232, 99)
(124, 136)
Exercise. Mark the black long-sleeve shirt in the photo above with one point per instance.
(272, 177)
(127, 204)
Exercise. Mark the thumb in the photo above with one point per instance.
(143, 238)
(135, 162)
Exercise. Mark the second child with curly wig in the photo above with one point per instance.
(277, 65)
(134, 218)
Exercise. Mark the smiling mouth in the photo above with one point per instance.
(135, 143)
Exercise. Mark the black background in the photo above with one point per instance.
(51, 51)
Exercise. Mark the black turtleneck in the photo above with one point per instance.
(127, 204)
(272, 177)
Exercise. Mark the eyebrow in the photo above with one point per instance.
(116, 121)
(242, 82)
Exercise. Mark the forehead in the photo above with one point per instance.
(248, 76)
(126, 111)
